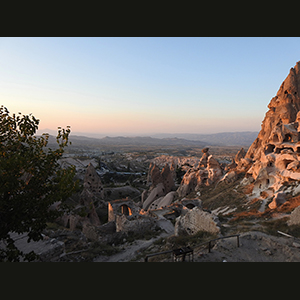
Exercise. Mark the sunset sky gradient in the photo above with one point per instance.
(141, 86)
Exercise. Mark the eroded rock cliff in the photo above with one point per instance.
(275, 154)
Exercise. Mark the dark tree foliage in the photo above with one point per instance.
(31, 180)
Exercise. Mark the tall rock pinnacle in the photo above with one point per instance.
(274, 157)
(281, 121)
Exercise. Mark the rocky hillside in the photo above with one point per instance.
(273, 160)
(183, 201)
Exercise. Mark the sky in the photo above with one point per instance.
(144, 85)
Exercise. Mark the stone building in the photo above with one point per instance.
(125, 207)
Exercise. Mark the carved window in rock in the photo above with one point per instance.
(125, 210)
(190, 205)
(288, 138)
(269, 149)
(278, 150)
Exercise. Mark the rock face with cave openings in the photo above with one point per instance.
(275, 154)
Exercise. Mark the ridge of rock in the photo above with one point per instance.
(273, 159)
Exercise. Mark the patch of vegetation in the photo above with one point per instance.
(53, 226)
(272, 226)
(245, 216)
(145, 235)
(190, 240)
(98, 248)
(222, 194)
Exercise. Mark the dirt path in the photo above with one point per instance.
(131, 251)
(254, 247)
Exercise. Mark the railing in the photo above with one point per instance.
(157, 253)
(225, 237)
(191, 250)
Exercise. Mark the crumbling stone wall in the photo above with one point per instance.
(196, 220)
(138, 225)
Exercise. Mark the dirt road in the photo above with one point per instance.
(131, 251)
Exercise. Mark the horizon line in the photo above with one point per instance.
(94, 134)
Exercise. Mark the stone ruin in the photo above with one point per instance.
(122, 207)
(128, 216)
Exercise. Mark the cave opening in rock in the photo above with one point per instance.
(284, 163)
(269, 149)
(287, 138)
(190, 205)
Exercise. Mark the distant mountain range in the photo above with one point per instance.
(132, 141)
(199, 140)
(244, 138)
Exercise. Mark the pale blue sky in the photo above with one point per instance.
(145, 85)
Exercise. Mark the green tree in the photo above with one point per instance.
(31, 180)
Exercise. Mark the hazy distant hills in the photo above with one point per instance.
(244, 138)
(199, 140)
(134, 141)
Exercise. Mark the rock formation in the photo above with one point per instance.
(196, 220)
(85, 212)
(190, 181)
(162, 184)
(163, 201)
(154, 175)
(241, 154)
(165, 176)
(137, 224)
(207, 172)
(214, 170)
(274, 155)
(87, 200)
(92, 181)
(295, 217)
(280, 125)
